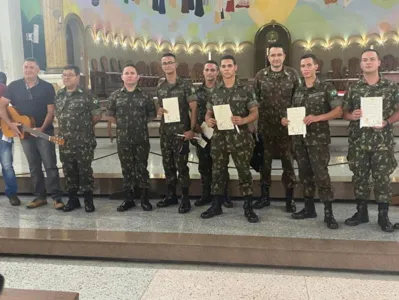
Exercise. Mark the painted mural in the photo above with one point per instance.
(236, 20)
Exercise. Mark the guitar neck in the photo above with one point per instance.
(36, 133)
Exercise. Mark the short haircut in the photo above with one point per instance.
(212, 62)
(31, 59)
(312, 56)
(370, 50)
(276, 45)
(75, 69)
(168, 54)
(3, 78)
(129, 66)
(228, 56)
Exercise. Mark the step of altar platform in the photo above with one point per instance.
(163, 235)
(16, 294)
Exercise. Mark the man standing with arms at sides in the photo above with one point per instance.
(238, 142)
(34, 97)
(6, 159)
(172, 158)
(211, 71)
(312, 151)
(371, 149)
(132, 109)
(77, 112)
(274, 88)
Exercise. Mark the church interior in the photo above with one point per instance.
(45, 254)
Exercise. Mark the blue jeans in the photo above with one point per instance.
(6, 167)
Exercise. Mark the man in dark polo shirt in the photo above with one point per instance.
(34, 97)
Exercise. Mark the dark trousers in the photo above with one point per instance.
(38, 152)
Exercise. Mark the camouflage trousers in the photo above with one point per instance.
(313, 171)
(173, 162)
(76, 158)
(205, 165)
(380, 165)
(283, 146)
(241, 155)
(134, 160)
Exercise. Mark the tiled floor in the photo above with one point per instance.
(110, 166)
(274, 222)
(100, 280)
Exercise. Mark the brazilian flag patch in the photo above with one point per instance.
(333, 93)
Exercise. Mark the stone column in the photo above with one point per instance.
(11, 43)
(53, 19)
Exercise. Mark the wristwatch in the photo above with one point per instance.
(193, 129)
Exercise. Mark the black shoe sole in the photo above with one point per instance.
(210, 215)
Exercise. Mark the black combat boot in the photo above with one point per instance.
(329, 216)
(185, 205)
(73, 201)
(264, 199)
(88, 198)
(383, 219)
(170, 198)
(128, 203)
(248, 210)
(215, 209)
(226, 199)
(309, 211)
(205, 197)
(289, 201)
(360, 216)
(145, 203)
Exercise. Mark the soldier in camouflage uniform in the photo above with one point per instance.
(211, 71)
(77, 112)
(244, 108)
(275, 87)
(132, 108)
(371, 149)
(173, 159)
(312, 152)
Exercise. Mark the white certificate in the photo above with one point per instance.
(171, 105)
(207, 131)
(295, 116)
(223, 116)
(371, 111)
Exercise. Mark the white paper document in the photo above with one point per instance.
(223, 116)
(200, 140)
(296, 115)
(371, 111)
(207, 131)
(171, 105)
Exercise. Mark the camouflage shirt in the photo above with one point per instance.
(367, 138)
(203, 94)
(274, 91)
(74, 112)
(320, 99)
(185, 93)
(241, 99)
(131, 110)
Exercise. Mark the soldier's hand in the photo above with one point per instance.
(379, 128)
(237, 120)
(356, 114)
(284, 122)
(188, 135)
(161, 111)
(198, 128)
(311, 119)
(211, 122)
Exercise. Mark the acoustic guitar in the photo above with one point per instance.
(25, 126)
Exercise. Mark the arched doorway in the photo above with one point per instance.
(269, 34)
(75, 43)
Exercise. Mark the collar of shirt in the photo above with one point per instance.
(380, 81)
(123, 89)
(283, 71)
(27, 86)
(316, 84)
(237, 83)
(77, 90)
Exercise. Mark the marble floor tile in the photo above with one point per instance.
(99, 282)
(325, 288)
(199, 285)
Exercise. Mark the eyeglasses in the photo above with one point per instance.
(166, 63)
(67, 76)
